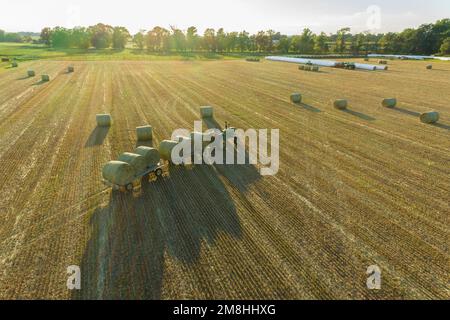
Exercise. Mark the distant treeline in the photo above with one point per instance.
(425, 40)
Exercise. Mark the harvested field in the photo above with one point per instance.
(365, 186)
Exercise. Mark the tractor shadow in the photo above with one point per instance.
(360, 115)
(133, 237)
(97, 137)
(241, 176)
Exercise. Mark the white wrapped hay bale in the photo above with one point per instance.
(296, 98)
(144, 133)
(429, 117)
(104, 120)
(151, 155)
(135, 160)
(119, 173)
(206, 112)
(389, 103)
(341, 104)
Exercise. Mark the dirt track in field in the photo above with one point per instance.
(369, 186)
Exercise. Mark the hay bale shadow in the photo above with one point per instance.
(130, 237)
(39, 83)
(24, 78)
(360, 115)
(309, 107)
(97, 137)
(211, 123)
(406, 111)
(442, 126)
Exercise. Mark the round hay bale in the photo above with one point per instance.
(366, 59)
(14, 65)
(144, 133)
(301, 67)
(341, 104)
(31, 73)
(151, 155)
(45, 78)
(70, 69)
(206, 112)
(165, 149)
(429, 117)
(429, 67)
(296, 98)
(137, 161)
(389, 103)
(103, 120)
(119, 173)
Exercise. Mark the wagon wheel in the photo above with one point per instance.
(158, 172)
(130, 187)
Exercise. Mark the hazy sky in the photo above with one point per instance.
(286, 16)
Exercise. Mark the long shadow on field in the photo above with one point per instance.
(359, 115)
(309, 107)
(134, 238)
(240, 176)
(406, 111)
(442, 126)
(97, 137)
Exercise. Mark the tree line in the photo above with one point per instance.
(427, 39)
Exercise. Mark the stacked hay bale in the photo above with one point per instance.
(429, 117)
(389, 103)
(315, 68)
(308, 68)
(366, 59)
(340, 104)
(252, 59)
(119, 173)
(383, 62)
(301, 67)
(103, 120)
(31, 73)
(144, 133)
(296, 98)
(135, 160)
(165, 149)
(45, 78)
(151, 155)
(206, 112)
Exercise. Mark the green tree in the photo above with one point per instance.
(209, 40)
(61, 37)
(2, 35)
(445, 47)
(81, 38)
(178, 39)
(139, 40)
(192, 38)
(284, 43)
(46, 35)
(101, 35)
(320, 43)
(306, 41)
(243, 41)
(340, 40)
(120, 37)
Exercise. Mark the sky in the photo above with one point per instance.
(286, 16)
